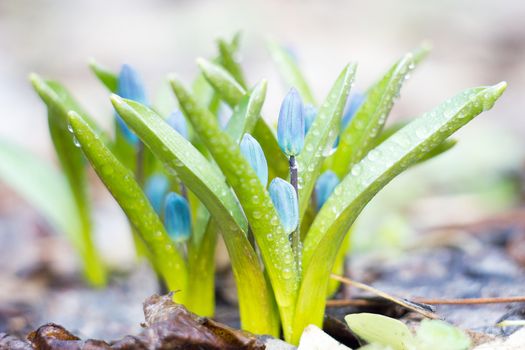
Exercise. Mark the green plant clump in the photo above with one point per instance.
(182, 178)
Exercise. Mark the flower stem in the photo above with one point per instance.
(295, 236)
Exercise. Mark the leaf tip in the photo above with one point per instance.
(202, 63)
(499, 88)
(36, 80)
(116, 100)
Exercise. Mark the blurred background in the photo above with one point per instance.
(474, 42)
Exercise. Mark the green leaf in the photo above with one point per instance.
(383, 330)
(357, 139)
(121, 183)
(246, 113)
(322, 135)
(255, 200)
(59, 102)
(382, 164)
(436, 334)
(228, 61)
(290, 71)
(105, 75)
(232, 92)
(199, 175)
(201, 272)
(440, 149)
(43, 186)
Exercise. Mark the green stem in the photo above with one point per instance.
(295, 236)
(201, 274)
(94, 269)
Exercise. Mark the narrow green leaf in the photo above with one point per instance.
(43, 186)
(367, 177)
(201, 272)
(440, 149)
(322, 135)
(291, 73)
(255, 200)
(121, 183)
(59, 102)
(232, 92)
(222, 81)
(209, 186)
(246, 113)
(229, 62)
(106, 76)
(383, 330)
(357, 139)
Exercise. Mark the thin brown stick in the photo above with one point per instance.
(471, 301)
(404, 303)
(465, 301)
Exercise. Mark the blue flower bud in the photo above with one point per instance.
(290, 126)
(354, 102)
(130, 87)
(177, 217)
(284, 199)
(177, 121)
(252, 151)
(156, 188)
(310, 112)
(325, 186)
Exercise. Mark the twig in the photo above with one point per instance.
(465, 301)
(472, 301)
(406, 304)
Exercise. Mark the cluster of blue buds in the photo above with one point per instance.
(324, 187)
(129, 86)
(282, 193)
(291, 124)
(174, 207)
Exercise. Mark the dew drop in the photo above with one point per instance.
(76, 142)
(356, 170)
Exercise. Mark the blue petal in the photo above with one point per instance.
(354, 102)
(177, 217)
(310, 112)
(177, 121)
(252, 151)
(325, 186)
(156, 188)
(284, 199)
(130, 87)
(290, 126)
